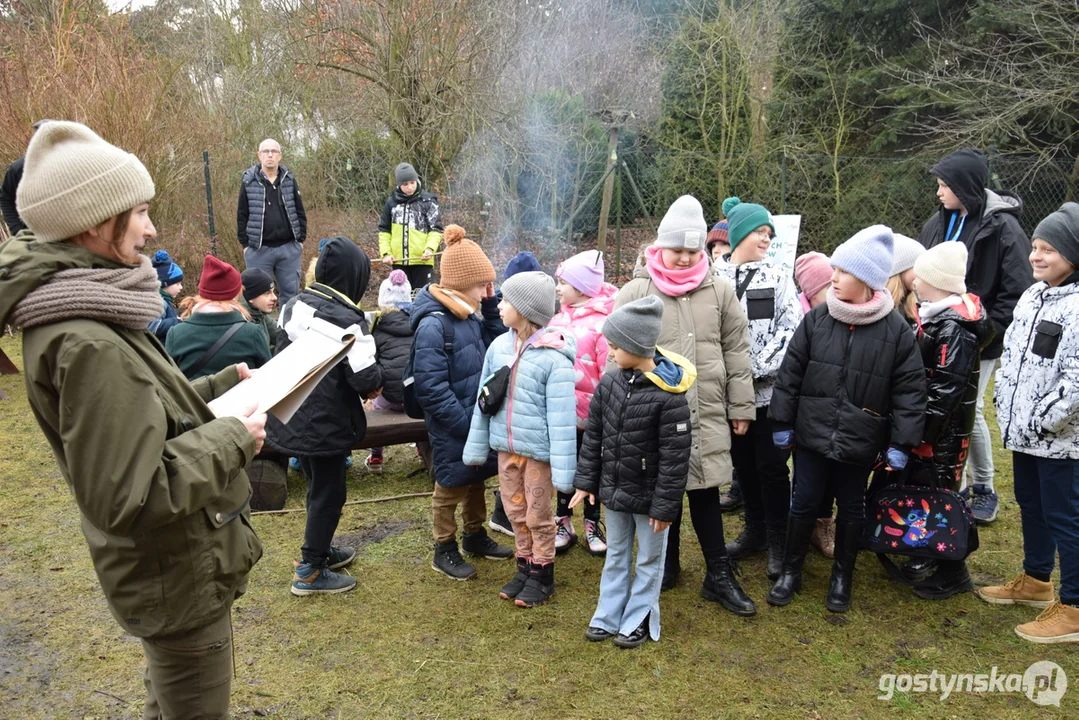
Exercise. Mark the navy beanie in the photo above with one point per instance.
(168, 272)
(524, 261)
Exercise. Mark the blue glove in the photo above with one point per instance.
(783, 439)
(897, 459)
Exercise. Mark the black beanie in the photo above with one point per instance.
(256, 281)
(1061, 230)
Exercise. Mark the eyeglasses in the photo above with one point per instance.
(762, 231)
(269, 152)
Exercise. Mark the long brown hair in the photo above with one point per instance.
(904, 300)
(193, 303)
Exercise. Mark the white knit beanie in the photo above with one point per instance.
(73, 181)
(944, 267)
(906, 251)
(867, 255)
(683, 227)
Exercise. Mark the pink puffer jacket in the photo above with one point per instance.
(585, 323)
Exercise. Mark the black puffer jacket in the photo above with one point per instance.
(998, 270)
(331, 420)
(851, 390)
(393, 342)
(951, 343)
(636, 447)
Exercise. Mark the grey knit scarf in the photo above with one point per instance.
(127, 297)
(863, 314)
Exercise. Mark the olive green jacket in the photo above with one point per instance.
(158, 479)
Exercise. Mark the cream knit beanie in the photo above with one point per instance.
(944, 267)
(73, 181)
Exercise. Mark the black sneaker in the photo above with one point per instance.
(984, 505)
(449, 562)
(635, 638)
(478, 544)
(595, 634)
(340, 557)
(499, 521)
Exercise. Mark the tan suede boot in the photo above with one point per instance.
(823, 537)
(1021, 590)
(1058, 624)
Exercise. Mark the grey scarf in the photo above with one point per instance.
(127, 297)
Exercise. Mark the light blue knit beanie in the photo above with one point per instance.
(867, 256)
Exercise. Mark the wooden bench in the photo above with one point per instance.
(268, 471)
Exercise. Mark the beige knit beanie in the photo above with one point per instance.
(74, 181)
(944, 267)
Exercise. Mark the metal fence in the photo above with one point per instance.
(836, 196)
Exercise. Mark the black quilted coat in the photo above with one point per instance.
(851, 390)
(393, 343)
(635, 454)
(951, 344)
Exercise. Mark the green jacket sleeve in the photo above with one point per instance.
(214, 386)
(128, 476)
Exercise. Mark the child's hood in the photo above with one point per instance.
(673, 373)
(554, 339)
(601, 305)
(343, 266)
(971, 315)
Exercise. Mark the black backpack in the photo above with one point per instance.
(408, 379)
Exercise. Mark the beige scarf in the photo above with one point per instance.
(127, 297)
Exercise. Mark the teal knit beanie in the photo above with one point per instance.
(744, 218)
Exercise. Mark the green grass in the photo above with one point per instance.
(410, 643)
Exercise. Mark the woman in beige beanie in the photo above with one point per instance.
(157, 477)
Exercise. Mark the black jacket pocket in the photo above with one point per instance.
(761, 303)
(1047, 339)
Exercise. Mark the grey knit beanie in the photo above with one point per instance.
(867, 256)
(533, 295)
(683, 227)
(1061, 230)
(635, 326)
(906, 251)
(73, 181)
(404, 173)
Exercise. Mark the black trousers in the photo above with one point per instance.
(812, 473)
(591, 512)
(762, 473)
(325, 498)
(707, 521)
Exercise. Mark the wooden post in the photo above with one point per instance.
(608, 188)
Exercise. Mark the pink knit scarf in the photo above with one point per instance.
(865, 313)
(674, 282)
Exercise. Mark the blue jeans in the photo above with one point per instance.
(623, 605)
(282, 263)
(815, 474)
(1048, 495)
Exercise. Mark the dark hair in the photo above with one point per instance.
(122, 221)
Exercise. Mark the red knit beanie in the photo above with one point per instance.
(219, 281)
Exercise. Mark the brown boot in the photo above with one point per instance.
(1021, 590)
(823, 537)
(1058, 624)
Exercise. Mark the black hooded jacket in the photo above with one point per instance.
(393, 341)
(331, 421)
(950, 343)
(998, 251)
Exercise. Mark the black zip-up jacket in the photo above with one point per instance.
(850, 391)
(998, 251)
(331, 420)
(635, 454)
(950, 344)
(393, 342)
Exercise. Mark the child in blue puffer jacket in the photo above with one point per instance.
(534, 430)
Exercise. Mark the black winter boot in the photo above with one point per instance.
(478, 544)
(539, 587)
(918, 569)
(449, 562)
(499, 521)
(753, 539)
(950, 578)
(848, 539)
(794, 556)
(514, 587)
(775, 553)
(721, 587)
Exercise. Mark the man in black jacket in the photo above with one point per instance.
(998, 272)
(270, 220)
